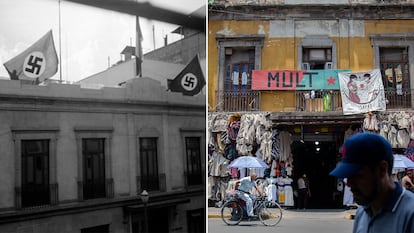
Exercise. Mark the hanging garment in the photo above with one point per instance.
(210, 184)
(403, 120)
(215, 188)
(230, 151)
(234, 173)
(219, 163)
(398, 79)
(373, 123)
(275, 144)
(265, 149)
(327, 102)
(367, 121)
(281, 196)
(348, 196)
(403, 138)
(409, 152)
(224, 171)
(412, 127)
(273, 169)
(392, 137)
(288, 191)
(272, 193)
(224, 183)
(384, 129)
(233, 130)
(289, 170)
(219, 123)
(220, 145)
(246, 135)
(389, 75)
(224, 137)
(213, 164)
(285, 142)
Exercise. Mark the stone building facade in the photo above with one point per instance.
(76, 159)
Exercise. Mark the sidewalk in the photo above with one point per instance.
(302, 214)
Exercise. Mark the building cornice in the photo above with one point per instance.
(93, 205)
(306, 11)
(10, 102)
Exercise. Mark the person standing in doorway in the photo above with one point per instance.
(303, 192)
(384, 206)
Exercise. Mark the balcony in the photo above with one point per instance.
(398, 99)
(321, 101)
(229, 101)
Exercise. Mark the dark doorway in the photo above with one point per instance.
(35, 173)
(157, 221)
(96, 229)
(316, 159)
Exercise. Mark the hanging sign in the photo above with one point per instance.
(295, 79)
(362, 92)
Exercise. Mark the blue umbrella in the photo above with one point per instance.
(400, 161)
(248, 162)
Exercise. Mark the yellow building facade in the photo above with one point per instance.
(354, 49)
(257, 54)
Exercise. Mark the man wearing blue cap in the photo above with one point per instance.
(367, 162)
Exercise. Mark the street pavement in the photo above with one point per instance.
(293, 221)
(214, 212)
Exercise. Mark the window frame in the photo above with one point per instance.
(316, 42)
(43, 156)
(93, 189)
(89, 133)
(151, 132)
(254, 42)
(157, 176)
(20, 134)
(188, 133)
(395, 40)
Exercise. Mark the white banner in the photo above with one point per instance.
(362, 92)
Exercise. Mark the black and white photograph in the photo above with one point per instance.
(103, 111)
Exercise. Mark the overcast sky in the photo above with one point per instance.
(91, 39)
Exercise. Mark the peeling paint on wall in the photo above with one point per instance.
(300, 28)
(225, 31)
(261, 29)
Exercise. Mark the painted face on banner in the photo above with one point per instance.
(362, 89)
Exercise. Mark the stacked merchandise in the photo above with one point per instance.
(235, 135)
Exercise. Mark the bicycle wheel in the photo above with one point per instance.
(270, 216)
(231, 213)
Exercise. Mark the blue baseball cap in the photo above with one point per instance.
(362, 149)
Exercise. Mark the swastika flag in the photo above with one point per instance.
(37, 63)
(190, 81)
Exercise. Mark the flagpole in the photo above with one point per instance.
(138, 47)
(60, 48)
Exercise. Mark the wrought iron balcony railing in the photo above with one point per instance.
(319, 101)
(398, 99)
(229, 101)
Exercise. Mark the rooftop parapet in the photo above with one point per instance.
(135, 90)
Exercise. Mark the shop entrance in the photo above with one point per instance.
(316, 156)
